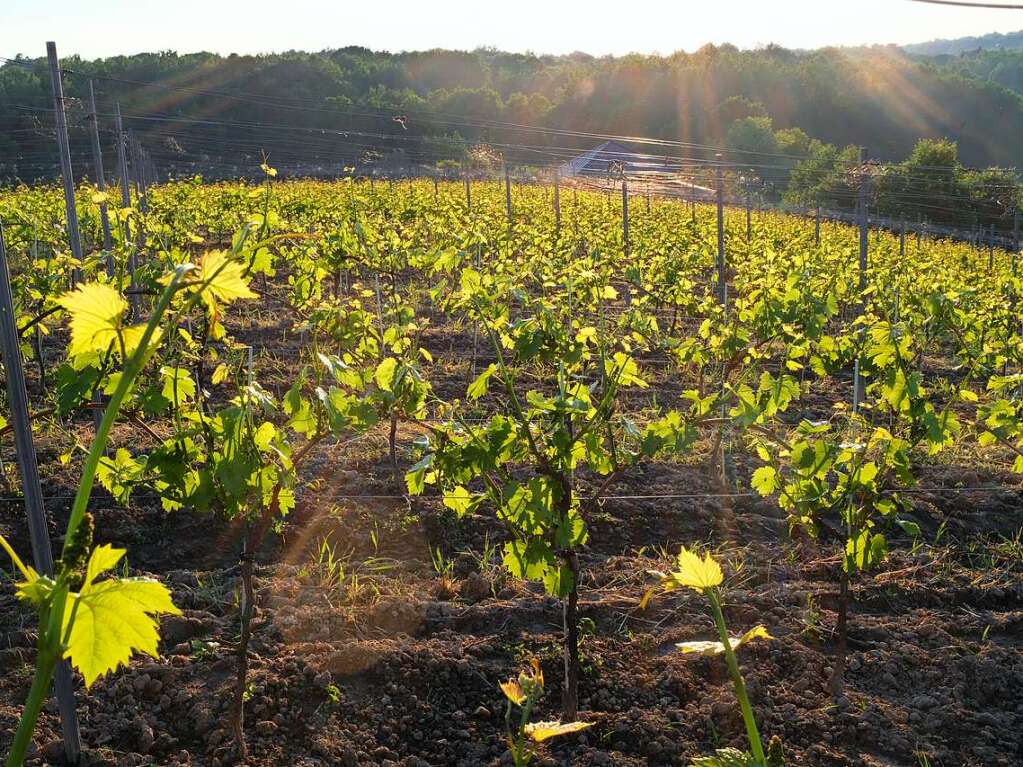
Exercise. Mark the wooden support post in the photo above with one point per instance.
(101, 182)
(723, 453)
(64, 149)
(749, 221)
(575, 212)
(557, 205)
(625, 216)
(122, 170)
(859, 390)
(122, 158)
(142, 201)
(864, 221)
(101, 186)
(722, 286)
(991, 249)
(144, 175)
(468, 195)
(138, 172)
(902, 256)
(507, 194)
(42, 554)
(817, 226)
(1015, 233)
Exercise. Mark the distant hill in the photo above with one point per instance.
(998, 67)
(1011, 41)
(353, 105)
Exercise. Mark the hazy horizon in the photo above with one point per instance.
(108, 28)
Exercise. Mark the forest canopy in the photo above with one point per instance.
(352, 105)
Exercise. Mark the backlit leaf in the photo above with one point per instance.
(113, 618)
(716, 648)
(541, 731)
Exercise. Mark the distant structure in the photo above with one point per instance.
(615, 158)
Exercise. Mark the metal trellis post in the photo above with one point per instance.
(64, 149)
(42, 555)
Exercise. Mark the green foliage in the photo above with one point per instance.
(523, 693)
(579, 364)
(705, 577)
(826, 93)
(95, 623)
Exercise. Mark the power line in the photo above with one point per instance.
(462, 121)
(451, 120)
(552, 151)
(312, 493)
(967, 4)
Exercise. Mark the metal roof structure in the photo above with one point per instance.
(616, 159)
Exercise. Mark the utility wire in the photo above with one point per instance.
(451, 120)
(967, 4)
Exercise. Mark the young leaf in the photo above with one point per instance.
(458, 500)
(726, 757)
(513, 691)
(716, 648)
(113, 618)
(541, 731)
(698, 574)
(224, 277)
(479, 387)
(25, 571)
(765, 480)
(96, 313)
(384, 375)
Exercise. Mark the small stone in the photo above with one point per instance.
(266, 727)
(923, 702)
(175, 629)
(482, 712)
(145, 737)
(322, 680)
(53, 752)
(475, 588)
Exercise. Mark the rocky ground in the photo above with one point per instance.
(389, 662)
(369, 649)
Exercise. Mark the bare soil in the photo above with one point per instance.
(383, 660)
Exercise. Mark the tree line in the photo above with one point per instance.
(359, 108)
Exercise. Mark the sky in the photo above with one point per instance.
(95, 28)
